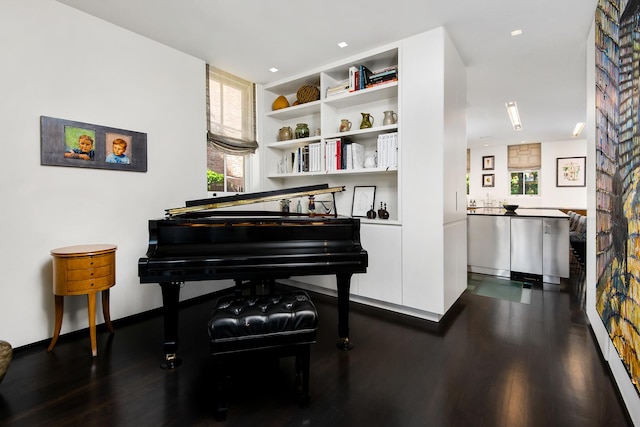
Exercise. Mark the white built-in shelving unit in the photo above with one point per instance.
(417, 257)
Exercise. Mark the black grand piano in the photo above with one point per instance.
(199, 242)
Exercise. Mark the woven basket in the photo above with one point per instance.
(308, 93)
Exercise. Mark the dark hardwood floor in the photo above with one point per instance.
(494, 363)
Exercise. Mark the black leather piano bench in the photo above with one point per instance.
(281, 324)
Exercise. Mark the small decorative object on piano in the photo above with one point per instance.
(307, 93)
(284, 205)
(312, 206)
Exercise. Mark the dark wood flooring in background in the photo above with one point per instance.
(497, 363)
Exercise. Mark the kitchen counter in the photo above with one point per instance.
(520, 212)
(531, 243)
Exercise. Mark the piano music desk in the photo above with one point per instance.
(83, 270)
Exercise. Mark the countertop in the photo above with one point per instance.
(520, 212)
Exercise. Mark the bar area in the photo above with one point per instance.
(520, 244)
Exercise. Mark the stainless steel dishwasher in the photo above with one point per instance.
(526, 245)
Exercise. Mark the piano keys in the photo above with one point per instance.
(198, 244)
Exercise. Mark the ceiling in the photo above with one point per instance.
(543, 69)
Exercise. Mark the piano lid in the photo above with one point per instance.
(250, 198)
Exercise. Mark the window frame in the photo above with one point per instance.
(524, 172)
(227, 142)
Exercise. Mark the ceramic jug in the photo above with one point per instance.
(345, 125)
(285, 134)
(390, 118)
(367, 121)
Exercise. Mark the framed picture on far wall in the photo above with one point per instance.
(488, 180)
(488, 163)
(570, 171)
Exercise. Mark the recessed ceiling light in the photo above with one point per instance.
(342, 44)
(578, 129)
(516, 33)
(514, 116)
(273, 69)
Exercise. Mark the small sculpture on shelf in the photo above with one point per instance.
(285, 134)
(302, 131)
(371, 213)
(367, 121)
(390, 118)
(382, 212)
(284, 205)
(307, 93)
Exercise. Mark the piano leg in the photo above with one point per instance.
(344, 284)
(170, 300)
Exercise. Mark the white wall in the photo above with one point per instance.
(550, 196)
(59, 62)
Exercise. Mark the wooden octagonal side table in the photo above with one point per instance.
(83, 270)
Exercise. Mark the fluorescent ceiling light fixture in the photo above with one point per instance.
(273, 69)
(516, 33)
(578, 129)
(514, 116)
(342, 44)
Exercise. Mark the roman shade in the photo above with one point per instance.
(231, 129)
(524, 157)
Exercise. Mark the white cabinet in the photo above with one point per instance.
(384, 274)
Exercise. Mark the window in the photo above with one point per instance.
(524, 183)
(524, 165)
(231, 130)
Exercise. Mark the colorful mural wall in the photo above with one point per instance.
(617, 35)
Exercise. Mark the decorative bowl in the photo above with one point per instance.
(280, 103)
(510, 207)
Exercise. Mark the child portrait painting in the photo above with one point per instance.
(83, 145)
(118, 148)
(79, 143)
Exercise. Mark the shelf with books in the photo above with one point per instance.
(363, 171)
(357, 134)
(364, 96)
(292, 143)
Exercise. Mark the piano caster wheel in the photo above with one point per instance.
(345, 344)
(171, 362)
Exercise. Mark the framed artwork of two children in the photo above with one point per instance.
(84, 145)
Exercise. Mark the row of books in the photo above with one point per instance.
(341, 154)
(387, 146)
(360, 77)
